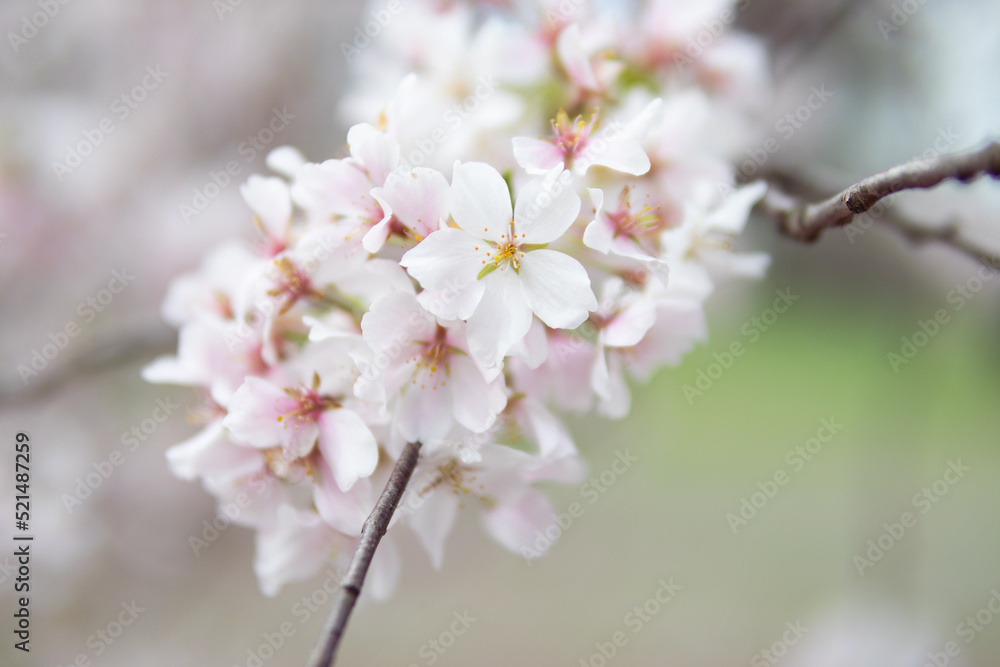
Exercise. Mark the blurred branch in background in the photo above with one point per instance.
(127, 348)
(788, 199)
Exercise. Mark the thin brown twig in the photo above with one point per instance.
(805, 221)
(371, 534)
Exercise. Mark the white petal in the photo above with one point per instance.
(286, 160)
(418, 198)
(456, 302)
(269, 198)
(335, 186)
(620, 153)
(377, 152)
(447, 259)
(574, 59)
(476, 402)
(546, 208)
(347, 445)
(424, 410)
(292, 548)
(394, 320)
(598, 234)
(433, 521)
(346, 512)
(502, 318)
(731, 216)
(552, 436)
(480, 200)
(557, 288)
(536, 156)
(629, 325)
(534, 348)
(515, 522)
(210, 454)
(375, 238)
(615, 402)
(256, 413)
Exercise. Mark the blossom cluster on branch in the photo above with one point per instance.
(534, 205)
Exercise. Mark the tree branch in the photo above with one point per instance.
(371, 534)
(805, 222)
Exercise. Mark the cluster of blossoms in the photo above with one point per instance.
(535, 209)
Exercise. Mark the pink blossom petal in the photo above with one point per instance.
(536, 156)
(348, 446)
(269, 199)
(256, 414)
(476, 402)
(377, 152)
(516, 520)
(433, 521)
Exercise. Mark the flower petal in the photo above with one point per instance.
(536, 156)
(418, 198)
(476, 402)
(502, 318)
(347, 445)
(433, 521)
(269, 199)
(376, 151)
(515, 521)
(480, 200)
(446, 259)
(546, 208)
(256, 413)
(557, 288)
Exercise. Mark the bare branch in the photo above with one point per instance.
(371, 534)
(805, 222)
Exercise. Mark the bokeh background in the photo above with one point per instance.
(895, 94)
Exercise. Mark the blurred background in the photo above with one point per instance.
(788, 582)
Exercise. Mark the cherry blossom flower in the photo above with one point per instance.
(428, 368)
(578, 147)
(500, 255)
(401, 294)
